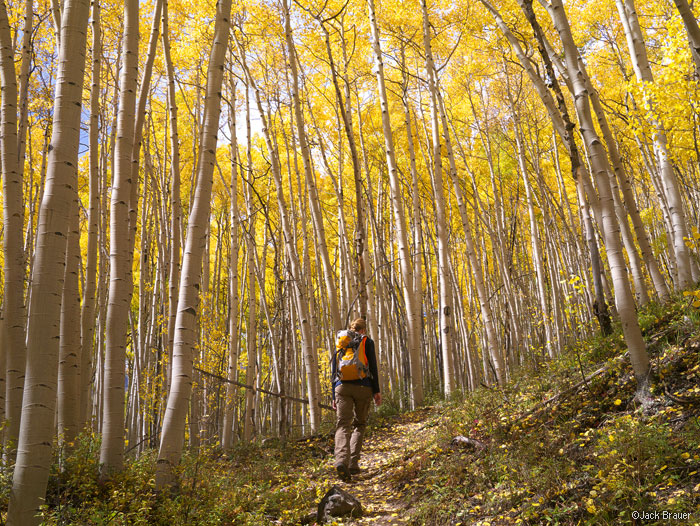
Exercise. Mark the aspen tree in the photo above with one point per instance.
(336, 180)
(87, 313)
(38, 405)
(252, 363)
(496, 226)
(693, 30)
(487, 314)
(344, 111)
(306, 276)
(3, 357)
(139, 119)
(314, 202)
(584, 187)
(120, 255)
(416, 201)
(300, 291)
(27, 51)
(623, 295)
(360, 240)
(13, 307)
(232, 369)
(534, 235)
(175, 205)
(630, 202)
(445, 296)
(412, 310)
(69, 359)
(360, 227)
(172, 438)
(642, 70)
(103, 268)
(620, 173)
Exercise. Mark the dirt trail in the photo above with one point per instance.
(383, 452)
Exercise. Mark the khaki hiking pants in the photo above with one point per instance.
(352, 410)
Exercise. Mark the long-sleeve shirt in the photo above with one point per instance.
(371, 381)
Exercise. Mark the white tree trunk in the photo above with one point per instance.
(24, 74)
(314, 202)
(693, 30)
(38, 406)
(624, 300)
(629, 198)
(13, 308)
(642, 70)
(175, 204)
(87, 313)
(300, 292)
(251, 336)
(173, 435)
(445, 296)
(69, 349)
(120, 256)
(534, 242)
(412, 309)
(232, 370)
(493, 347)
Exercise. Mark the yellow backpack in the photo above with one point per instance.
(351, 358)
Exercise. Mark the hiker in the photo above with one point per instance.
(354, 382)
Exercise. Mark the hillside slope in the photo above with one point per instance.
(565, 443)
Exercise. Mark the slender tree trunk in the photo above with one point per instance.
(139, 119)
(642, 70)
(69, 348)
(38, 406)
(623, 294)
(534, 240)
(314, 202)
(580, 174)
(120, 256)
(13, 309)
(300, 291)
(693, 30)
(344, 110)
(232, 370)
(87, 313)
(251, 336)
(629, 200)
(412, 310)
(24, 74)
(488, 319)
(175, 204)
(445, 296)
(172, 438)
(417, 230)
(3, 357)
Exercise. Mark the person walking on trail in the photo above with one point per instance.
(355, 383)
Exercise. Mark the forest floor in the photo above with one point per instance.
(385, 453)
(564, 442)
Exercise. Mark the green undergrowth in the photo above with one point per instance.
(551, 449)
(561, 450)
(252, 485)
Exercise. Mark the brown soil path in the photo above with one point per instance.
(383, 500)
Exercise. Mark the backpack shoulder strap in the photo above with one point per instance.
(362, 352)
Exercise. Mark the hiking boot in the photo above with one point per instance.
(343, 472)
(355, 470)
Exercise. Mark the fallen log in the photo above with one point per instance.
(260, 389)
